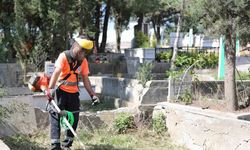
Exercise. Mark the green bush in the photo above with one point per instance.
(165, 56)
(141, 40)
(206, 60)
(144, 73)
(159, 124)
(174, 74)
(123, 122)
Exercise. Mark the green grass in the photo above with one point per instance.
(25, 142)
(99, 139)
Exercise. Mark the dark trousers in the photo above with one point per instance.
(65, 101)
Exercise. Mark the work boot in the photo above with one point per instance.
(56, 146)
(67, 143)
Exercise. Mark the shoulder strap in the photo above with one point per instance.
(71, 61)
(69, 58)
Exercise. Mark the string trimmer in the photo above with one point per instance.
(40, 82)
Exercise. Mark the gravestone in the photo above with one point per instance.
(49, 68)
(133, 63)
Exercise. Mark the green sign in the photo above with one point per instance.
(237, 46)
(221, 68)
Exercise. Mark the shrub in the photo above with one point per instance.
(174, 73)
(141, 40)
(165, 56)
(144, 73)
(159, 124)
(206, 60)
(123, 122)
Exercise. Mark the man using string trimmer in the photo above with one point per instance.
(68, 66)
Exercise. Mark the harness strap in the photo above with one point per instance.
(65, 82)
(73, 68)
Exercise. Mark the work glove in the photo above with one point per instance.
(50, 93)
(95, 100)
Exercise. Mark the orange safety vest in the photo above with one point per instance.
(68, 79)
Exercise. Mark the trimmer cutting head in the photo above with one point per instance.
(38, 82)
(34, 79)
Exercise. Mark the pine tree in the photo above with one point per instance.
(229, 18)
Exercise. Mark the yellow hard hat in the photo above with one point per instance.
(84, 43)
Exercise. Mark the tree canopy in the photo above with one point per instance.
(32, 31)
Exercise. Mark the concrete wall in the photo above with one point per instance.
(129, 67)
(125, 89)
(108, 68)
(154, 92)
(108, 57)
(19, 117)
(10, 74)
(200, 129)
(131, 90)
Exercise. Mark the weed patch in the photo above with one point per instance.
(159, 124)
(124, 122)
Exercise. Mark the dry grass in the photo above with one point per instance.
(99, 139)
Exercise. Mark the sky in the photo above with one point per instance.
(127, 35)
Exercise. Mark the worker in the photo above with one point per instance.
(68, 66)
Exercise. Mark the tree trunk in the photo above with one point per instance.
(175, 46)
(97, 24)
(105, 26)
(156, 31)
(118, 33)
(138, 27)
(158, 34)
(140, 21)
(229, 81)
(24, 65)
